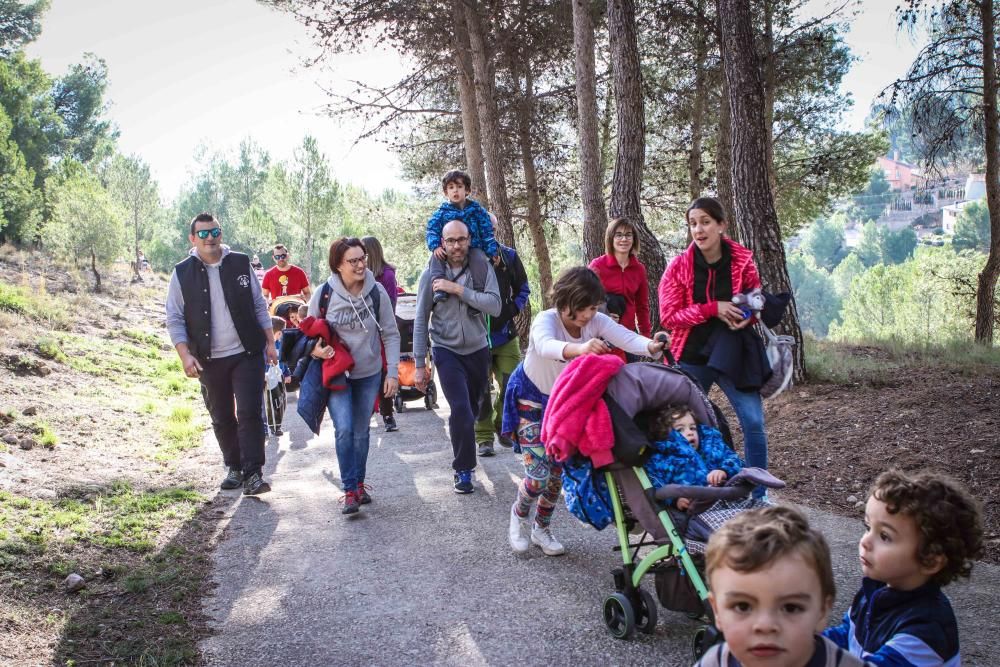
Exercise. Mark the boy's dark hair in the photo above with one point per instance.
(456, 176)
(661, 422)
(277, 324)
(753, 540)
(202, 217)
(577, 287)
(946, 514)
(708, 205)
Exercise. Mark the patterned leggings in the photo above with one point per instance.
(543, 477)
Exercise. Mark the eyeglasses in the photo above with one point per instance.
(214, 232)
(278, 258)
(623, 236)
(459, 241)
(356, 261)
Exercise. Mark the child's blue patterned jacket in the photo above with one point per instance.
(476, 219)
(677, 462)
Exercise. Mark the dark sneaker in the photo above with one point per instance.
(363, 497)
(352, 504)
(254, 485)
(233, 480)
(390, 424)
(463, 481)
(278, 432)
(486, 449)
(505, 441)
(440, 296)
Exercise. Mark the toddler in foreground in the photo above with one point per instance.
(921, 533)
(771, 588)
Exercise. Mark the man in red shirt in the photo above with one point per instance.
(284, 278)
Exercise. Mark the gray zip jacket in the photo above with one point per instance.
(449, 324)
(361, 330)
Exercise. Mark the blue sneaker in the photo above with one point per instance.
(463, 482)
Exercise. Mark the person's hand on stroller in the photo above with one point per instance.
(421, 378)
(592, 346)
(390, 387)
(322, 350)
(717, 477)
(660, 340)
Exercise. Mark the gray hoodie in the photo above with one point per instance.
(452, 326)
(352, 319)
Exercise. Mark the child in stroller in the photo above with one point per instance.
(623, 493)
(406, 310)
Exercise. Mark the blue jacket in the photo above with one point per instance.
(514, 292)
(313, 396)
(891, 628)
(675, 461)
(476, 219)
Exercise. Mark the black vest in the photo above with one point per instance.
(235, 273)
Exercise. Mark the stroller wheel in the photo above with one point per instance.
(400, 404)
(618, 616)
(646, 613)
(706, 637)
(432, 397)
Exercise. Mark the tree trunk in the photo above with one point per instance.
(698, 115)
(988, 277)
(473, 142)
(93, 267)
(595, 216)
(489, 122)
(756, 218)
(629, 161)
(724, 151)
(137, 278)
(606, 117)
(535, 227)
(770, 85)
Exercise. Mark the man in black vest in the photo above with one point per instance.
(219, 324)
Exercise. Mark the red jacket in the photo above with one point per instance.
(678, 311)
(576, 419)
(341, 362)
(631, 283)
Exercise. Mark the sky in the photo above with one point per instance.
(186, 73)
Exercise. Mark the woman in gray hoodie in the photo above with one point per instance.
(351, 314)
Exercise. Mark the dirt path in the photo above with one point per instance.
(425, 576)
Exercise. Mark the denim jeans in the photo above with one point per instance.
(351, 412)
(749, 409)
(463, 379)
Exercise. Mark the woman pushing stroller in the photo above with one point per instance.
(571, 329)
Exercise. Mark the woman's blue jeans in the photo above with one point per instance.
(351, 411)
(749, 409)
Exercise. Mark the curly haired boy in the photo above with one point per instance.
(922, 532)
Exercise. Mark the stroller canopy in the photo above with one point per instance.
(647, 386)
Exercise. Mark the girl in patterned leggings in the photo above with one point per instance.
(571, 329)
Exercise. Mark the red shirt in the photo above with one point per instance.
(631, 283)
(284, 283)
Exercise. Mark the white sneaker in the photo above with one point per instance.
(515, 534)
(543, 538)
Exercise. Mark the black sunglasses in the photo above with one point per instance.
(214, 232)
(278, 258)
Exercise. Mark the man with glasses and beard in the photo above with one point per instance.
(218, 322)
(459, 344)
(284, 278)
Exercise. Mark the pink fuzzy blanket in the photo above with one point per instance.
(576, 419)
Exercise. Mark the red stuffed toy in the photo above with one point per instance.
(336, 368)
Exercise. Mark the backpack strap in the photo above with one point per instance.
(324, 299)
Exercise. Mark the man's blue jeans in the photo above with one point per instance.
(351, 411)
(749, 409)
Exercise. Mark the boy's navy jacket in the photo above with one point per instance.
(675, 461)
(891, 628)
(475, 218)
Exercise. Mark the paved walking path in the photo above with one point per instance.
(425, 576)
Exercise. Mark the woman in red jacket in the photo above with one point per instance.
(622, 273)
(695, 295)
